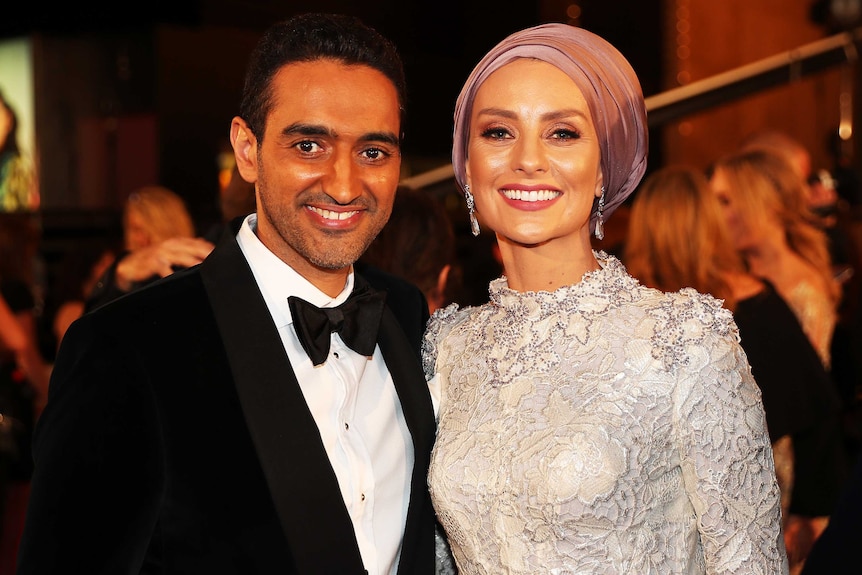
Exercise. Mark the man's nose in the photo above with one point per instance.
(343, 183)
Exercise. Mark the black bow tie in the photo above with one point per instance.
(356, 321)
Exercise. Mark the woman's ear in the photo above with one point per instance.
(244, 146)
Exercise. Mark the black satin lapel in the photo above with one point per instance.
(412, 389)
(300, 478)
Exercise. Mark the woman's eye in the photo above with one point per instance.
(566, 135)
(495, 133)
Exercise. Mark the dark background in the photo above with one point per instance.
(153, 60)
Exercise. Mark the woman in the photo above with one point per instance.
(767, 212)
(766, 209)
(587, 424)
(153, 214)
(677, 238)
(18, 189)
(158, 238)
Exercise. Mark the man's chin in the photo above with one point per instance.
(334, 261)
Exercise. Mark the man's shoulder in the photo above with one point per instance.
(385, 281)
(163, 295)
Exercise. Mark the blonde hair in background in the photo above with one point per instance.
(765, 185)
(783, 144)
(677, 236)
(158, 214)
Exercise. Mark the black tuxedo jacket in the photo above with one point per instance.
(176, 439)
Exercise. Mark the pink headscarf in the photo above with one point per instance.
(608, 83)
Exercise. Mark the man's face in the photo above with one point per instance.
(328, 166)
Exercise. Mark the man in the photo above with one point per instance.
(187, 429)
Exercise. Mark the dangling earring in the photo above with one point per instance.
(600, 222)
(471, 207)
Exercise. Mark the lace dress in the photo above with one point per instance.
(601, 428)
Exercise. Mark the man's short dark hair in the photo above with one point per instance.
(310, 37)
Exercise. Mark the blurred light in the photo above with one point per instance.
(573, 11)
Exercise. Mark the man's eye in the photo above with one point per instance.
(374, 153)
(307, 147)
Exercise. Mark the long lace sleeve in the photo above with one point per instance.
(727, 461)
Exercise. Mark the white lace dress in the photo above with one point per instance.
(601, 428)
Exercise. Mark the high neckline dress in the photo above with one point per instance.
(604, 427)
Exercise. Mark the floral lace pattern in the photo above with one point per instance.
(601, 428)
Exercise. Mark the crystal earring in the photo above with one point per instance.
(471, 207)
(600, 222)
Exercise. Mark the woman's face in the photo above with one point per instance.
(5, 123)
(739, 230)
(533, 160)
(136, 231)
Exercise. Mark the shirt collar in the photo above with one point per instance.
(277, 280)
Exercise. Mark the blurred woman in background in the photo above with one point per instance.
(767, 211)
(159, 238)
(678, 238)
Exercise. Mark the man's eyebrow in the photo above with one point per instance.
(320, 130)
(307, 130)
(384, 137)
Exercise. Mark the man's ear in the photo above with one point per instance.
(244, 149)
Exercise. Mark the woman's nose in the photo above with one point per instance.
(529, 156)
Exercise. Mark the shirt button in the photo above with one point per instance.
(362, 497)
(335, 354)
(346, 425)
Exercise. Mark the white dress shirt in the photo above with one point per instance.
(353, 401)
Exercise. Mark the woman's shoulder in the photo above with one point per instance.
(445, 318)
(683, 321)
(442, 321)
(686, 303)
(702, 308)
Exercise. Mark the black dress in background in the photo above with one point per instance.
(799, 399)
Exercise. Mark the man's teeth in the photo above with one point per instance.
(330, 215)
(531, 196)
